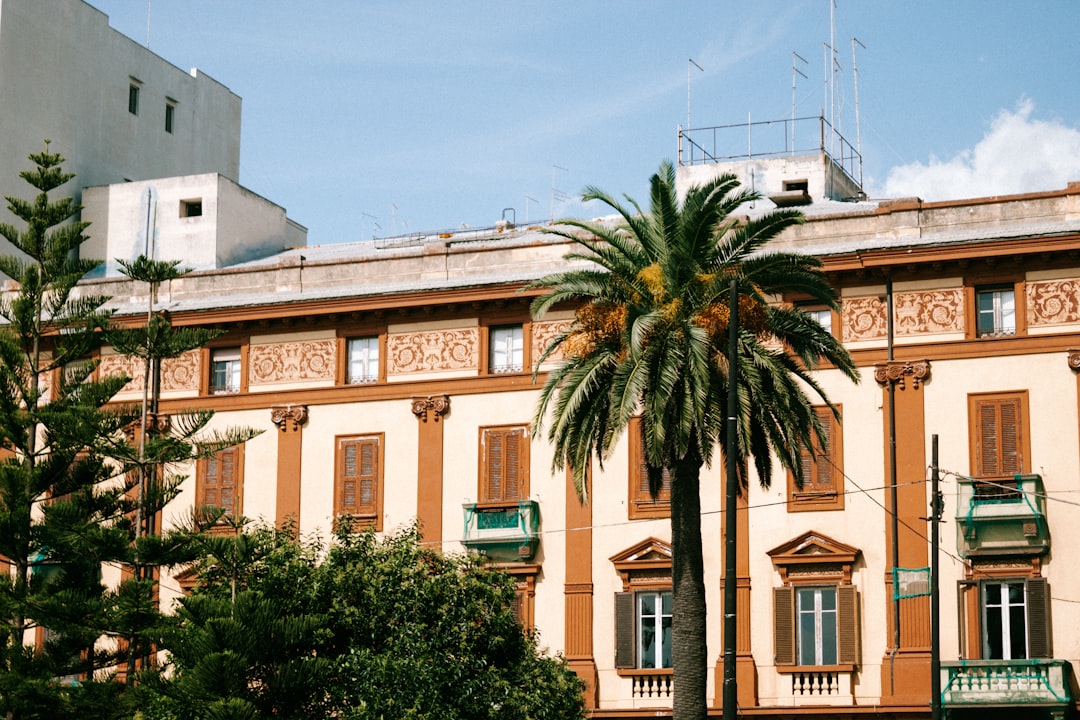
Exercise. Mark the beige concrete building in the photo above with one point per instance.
(114, 109)
(393, 380)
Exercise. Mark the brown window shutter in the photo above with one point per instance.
(1038, 611)
(986, 412)
(625, 655)
(227, 465)
(211, 486)
(368, 477)
(1011, 455)
(350, 473)
(505, 465)
(847, 624)
(784, 625)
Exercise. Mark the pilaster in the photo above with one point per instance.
(290, 420)
(430, 411)
(745, 667)
(578, 591)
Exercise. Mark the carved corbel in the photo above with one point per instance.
(896, 373)
(289, 418)
(1074, 360)
(431, 407)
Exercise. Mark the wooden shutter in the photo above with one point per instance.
(1038, 617)
(999, 436)
(847, 624)
(784, 625)
(505, 465)
(358, 477)
(625, 652)
(819, 463)
(220, 480)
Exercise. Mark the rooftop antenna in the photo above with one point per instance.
(795, 72)
(832, 78)
(528, 199)
(556, 193)
(689, 62)
(393, 219)
(147, 24)
(855, 74)
(362, 216)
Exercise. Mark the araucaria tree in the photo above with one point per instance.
(649, 338)
(60, 516)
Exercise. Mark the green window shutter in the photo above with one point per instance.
(1038, 610)
(784, 625)
(847, 624)
(624, 630)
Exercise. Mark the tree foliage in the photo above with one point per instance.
(366, 628)
(650, 337)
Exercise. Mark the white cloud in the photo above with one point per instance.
(1018, 154)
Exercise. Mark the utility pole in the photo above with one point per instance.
(731, 696)
(937, 507)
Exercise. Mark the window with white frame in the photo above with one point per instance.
(995, 311)
(506, 347)
(653, 629)
(225, 370)
(363, 354)
(817, 640)
(1005, 620)
(820, 314)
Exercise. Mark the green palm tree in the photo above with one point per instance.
(649, 337)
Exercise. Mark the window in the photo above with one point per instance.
(504, 464)
(219, 481)
(643, 635)
(816, 635)
(998, 440)
(506, 349)
(822, 315)
(170, 114)
(1014, 615)
(133, 97)
(642, 504)
(995, 309)
(191, 208)
(822, 469)
(225, 370)
(363, 360)
(816, 612)
(358, 480)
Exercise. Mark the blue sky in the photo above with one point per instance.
(364, 117)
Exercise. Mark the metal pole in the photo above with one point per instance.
(937, 506)
(731, 488)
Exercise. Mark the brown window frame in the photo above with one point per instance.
(207, 374)
(974, 285)
(818, 463)
(1007, 462)
(643, 567)
(641, 505)
(1037, 608)
(359, 516)
(203, 469)
(487, 444)
(487, 326)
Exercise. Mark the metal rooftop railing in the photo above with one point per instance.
(769, 138)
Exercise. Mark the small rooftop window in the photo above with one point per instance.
(191, 208)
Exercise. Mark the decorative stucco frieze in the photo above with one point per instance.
(897, 372)
(1053, 302)
(433, 351)
(862, 318)
(542, 335)
(292, 362)
(179, 373)
(929, 312)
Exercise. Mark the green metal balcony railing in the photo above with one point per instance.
(1005, 683)
(503, 533)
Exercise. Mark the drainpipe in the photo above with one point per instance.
(894, 525)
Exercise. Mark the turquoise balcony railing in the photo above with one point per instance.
(1004, 683)
(503, 533)
(1001, 518)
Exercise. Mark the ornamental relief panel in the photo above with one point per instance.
(862, 319)
(931, 311)
(115, 365)
(433, 351)
(1053, 302)
(291, 362)
(181, 373)
(542, 334)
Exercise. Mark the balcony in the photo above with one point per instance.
(1005, 683)
(1002, 518)
(503, 533)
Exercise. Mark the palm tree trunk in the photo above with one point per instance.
(688, 649)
